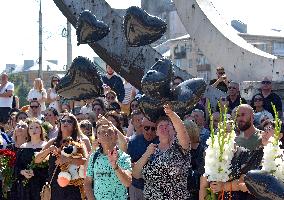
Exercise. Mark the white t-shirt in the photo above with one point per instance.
(38, 95)
(6, 101)
(128, 92)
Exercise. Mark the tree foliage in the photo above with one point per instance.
(22, 87)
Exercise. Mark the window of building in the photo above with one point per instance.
(278, 48)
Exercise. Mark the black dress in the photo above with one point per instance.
(30, 191)
(69, 192)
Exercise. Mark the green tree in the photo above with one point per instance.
(21, 89)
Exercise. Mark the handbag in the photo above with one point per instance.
(45, 193)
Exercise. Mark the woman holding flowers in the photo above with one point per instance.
(165, 166)
(68, 127)
(30, 177)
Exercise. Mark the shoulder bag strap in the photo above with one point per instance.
(53, 174)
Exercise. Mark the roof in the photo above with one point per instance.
(46, 66)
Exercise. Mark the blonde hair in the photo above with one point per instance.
(193, 131)
(38, 84)
(35, 121)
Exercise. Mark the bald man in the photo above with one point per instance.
(250, 137)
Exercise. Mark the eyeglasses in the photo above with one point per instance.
(68, 121)
(32, 107)
(258, 99)
(110, 97)
(231, 87)
(266, 82)
(147, 128)
(268, 128)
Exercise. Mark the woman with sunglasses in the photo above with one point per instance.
(110, 97)
(259, 111)
(52, 96)
(165, 166)
(30, 181)
(68, 127)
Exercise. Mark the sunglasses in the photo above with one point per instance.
(110, 97)
(49, 115)
(268, 128)
(32, 107)
(55, 80)
(21, 126)
(147, 128)
(266, 82)
(68, 121)
(258, 99)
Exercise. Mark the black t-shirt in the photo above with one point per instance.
(276, 100)
(221, 86)
(234, 104)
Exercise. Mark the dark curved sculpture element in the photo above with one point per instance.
(82, 81)
(140, 28)
(264, 186)
(89, 29)
(156, 83)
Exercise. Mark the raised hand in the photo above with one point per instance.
(112, 157)
(151, 149)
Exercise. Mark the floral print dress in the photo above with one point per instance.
(165, 174)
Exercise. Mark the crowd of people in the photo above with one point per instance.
(106, 148)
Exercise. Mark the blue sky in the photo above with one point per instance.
(19, 31)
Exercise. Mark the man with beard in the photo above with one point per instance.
(114, 83)
(250, 137)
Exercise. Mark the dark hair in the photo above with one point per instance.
(76, 129)
(116, 116)
(268, 121)
(114, 106)
(135, 99)
(101, 105)
(163, 118)
(33, 101)
(51, 82)
(53, 110)
(20, 113)
(253, 100)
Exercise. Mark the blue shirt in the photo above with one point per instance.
(136, 148)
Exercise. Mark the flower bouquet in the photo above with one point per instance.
(220, 151)
(7, 163)
(33, 165)
(273, 161)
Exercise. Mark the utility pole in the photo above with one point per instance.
(69, 46)
(40, 43)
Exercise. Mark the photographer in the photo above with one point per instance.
(222, 81)
(38, 93)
